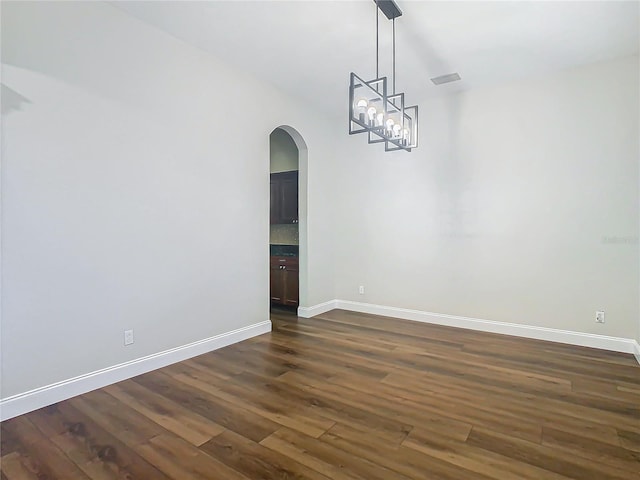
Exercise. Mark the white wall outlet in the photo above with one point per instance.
(128, 337)
(361, 289)
(600, 316)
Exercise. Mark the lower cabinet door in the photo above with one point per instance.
(284, 282)
(277, 284)
(291, 286)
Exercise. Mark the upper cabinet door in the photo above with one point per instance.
(284, 197)
(289, 197)
(275, 201)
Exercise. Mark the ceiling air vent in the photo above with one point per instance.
(451, 77)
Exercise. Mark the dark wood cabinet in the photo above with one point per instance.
(274, 215)
(277, 284)
(284, 197)
(291, 285)
(284, 280)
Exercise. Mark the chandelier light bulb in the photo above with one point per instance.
(372, 114)
(380, 119)
(390, 123)
(396, 130)
(361, 108)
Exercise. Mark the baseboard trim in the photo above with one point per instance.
(308, 312)
(636, 350)
(41, 397)
(603, 342)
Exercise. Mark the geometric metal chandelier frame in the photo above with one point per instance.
(374, 110)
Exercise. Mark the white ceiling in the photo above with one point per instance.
(308, 48)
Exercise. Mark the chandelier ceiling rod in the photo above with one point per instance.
(394, 54)
(391, 11)
(377, 45)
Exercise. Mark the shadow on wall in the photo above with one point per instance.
(458, 211)
(59, 60)
(11, 100)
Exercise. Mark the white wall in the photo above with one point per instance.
(520, 205)
(131, 155)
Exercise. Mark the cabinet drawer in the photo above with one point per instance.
(286, 261)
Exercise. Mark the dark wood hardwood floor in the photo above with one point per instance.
(347, 396)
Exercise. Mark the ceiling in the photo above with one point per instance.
(308, 48)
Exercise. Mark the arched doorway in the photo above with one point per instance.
(288, 157)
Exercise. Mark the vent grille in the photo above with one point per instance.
(451, 77)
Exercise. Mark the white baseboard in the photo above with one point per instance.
(603, 342)
(308, 312)
(636, 350)
(41, 397)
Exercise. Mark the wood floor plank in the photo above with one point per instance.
(605, 453)
(329, 468)
(98, 453)
(534, 408)
(475, 459)
(323, 451)
(215, 409)
(257, 461)
(329, 406)
(16, 467)
(629, 440)
(278, 410)
(405, 461)
(182, 461)
(129, 426)
(185, 423)
(41, 456)
(9, 443)
(348, 396)
(545, 457)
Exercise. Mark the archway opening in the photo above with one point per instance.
(287, 220)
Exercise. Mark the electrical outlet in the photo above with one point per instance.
(600, 316)
(128, 337)
(361, 290)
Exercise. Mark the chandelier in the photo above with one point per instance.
(375, 110)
